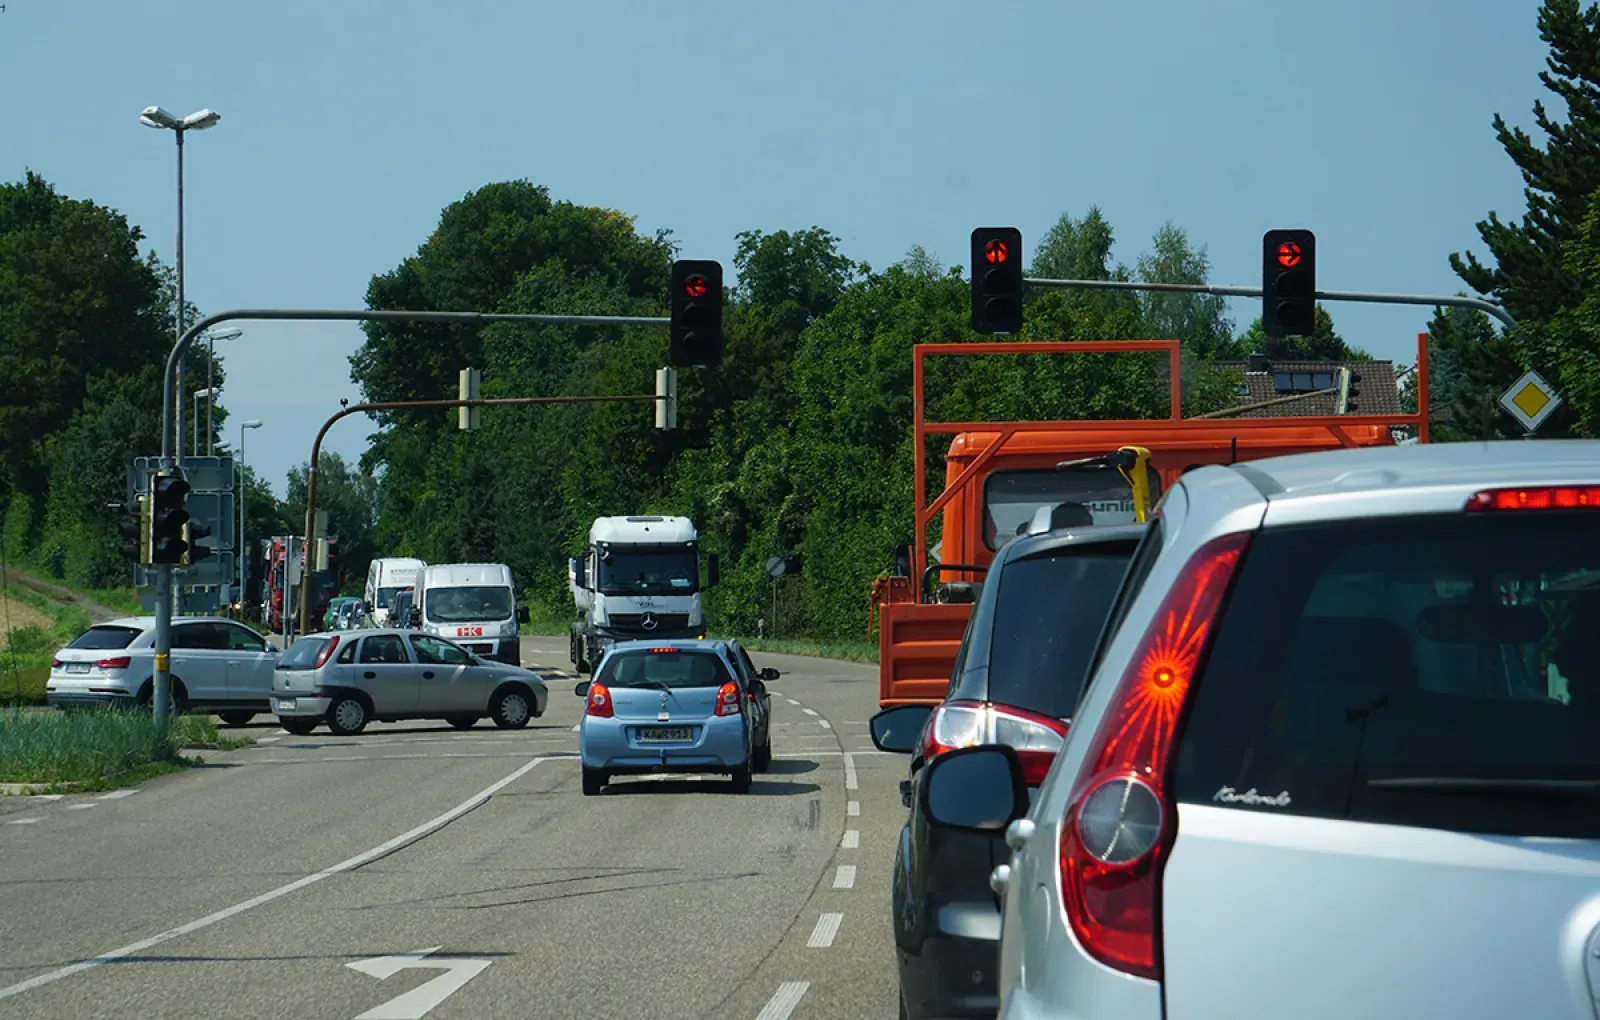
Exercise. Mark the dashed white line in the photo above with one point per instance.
(577, 727)
(845, 877)
(350, 864)
(825, 932)
(52, 796)
(809, 711)
(853, 809)
(25, 821)
(118, 794)
(852, 839)
(825, 724)
(267, 740)
(80, 807)
(784, 1000)
(851, 782)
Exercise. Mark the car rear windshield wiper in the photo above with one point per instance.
(1467, 784)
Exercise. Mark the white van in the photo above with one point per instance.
(387, 578)
(474, 605)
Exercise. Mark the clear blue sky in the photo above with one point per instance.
(347, 126)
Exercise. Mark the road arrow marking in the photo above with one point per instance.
(415, 1004)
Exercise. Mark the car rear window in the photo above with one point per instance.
(675, 669)
(1439, 671)
(105, 638)
(1048, 613)
(303, 654)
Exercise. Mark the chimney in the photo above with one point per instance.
(1259, 363)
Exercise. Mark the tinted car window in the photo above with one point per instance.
(105, 638)
(1048, 612)
(1441, 672)
(303, 654)
(676, 668)
(435, 652)
(383, 648)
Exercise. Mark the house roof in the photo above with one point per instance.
(1375, 392)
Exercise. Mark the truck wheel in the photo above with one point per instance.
(583, 655)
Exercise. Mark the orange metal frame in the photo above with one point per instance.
(1003, 431)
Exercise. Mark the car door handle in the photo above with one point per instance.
(370, 675)
(427, 674)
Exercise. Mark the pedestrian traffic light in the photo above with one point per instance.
(168, 517)
(696, 305)
(194, 552)
(134, 527)
(997, 280)
(1289, 283)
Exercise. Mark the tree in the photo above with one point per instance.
(1529, 277)
(1199, 320)
(1466, 357)
(1568, 348)
(350, 498)
(1075, 249)
(1324, 343)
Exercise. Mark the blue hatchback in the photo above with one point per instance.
(675, 706)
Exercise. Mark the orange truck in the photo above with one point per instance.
(999, 476)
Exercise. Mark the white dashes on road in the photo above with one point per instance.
(853, 809)
(80, 807)
(845, 877)
(25, 821)
(852, 839)
(119, 794)
(850, 780)
(809, 711)
(825, 724)
(784, 1000)
(825, 932)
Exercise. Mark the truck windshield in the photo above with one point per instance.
(385, 596)
(1011, 498)
(649, 572)
(471, 603)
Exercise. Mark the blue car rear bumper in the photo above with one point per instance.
(618, 746)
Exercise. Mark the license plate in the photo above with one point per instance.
(665, 735)
(77, 667)
(286, 704)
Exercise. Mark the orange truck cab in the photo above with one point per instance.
(1002, 477)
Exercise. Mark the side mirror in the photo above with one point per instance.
(713, 570)
(768, 675)
(975, 789)
(902, 560)
(581, 688)
(416, 618)
(898, 730)
(523, 615)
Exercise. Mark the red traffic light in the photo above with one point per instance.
(996, 252)
(1289, 254)
(696, 286)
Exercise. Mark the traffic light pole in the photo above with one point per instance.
(1368, 297)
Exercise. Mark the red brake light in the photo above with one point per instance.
(599, 703)
(1036, 738)
(327, 653)
(1117, 827)
(55, 663)
(120, 662)
(728, 699)
(1540, 497)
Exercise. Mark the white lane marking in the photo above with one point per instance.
(472, 754)
(426, 828)
(267, 740)
(577, 727)
(54, 796)
(852, 839)
(851, 781)
(853, 809)
(792, 702)
(25, 821)
(809, 711)
(415, 1004)
(845, 877)
(784, 1000)
(825, 724)
(398, 757)
(80, 807)
(823, 934)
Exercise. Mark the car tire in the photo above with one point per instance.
(463, 722)
(175, 699)
(347, 716)
(236, 718)
(900, 996)
(298, 727)
(512, 709)
(741, 778)
(594, 780)
(761, 759)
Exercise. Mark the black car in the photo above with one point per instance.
(1016, 681)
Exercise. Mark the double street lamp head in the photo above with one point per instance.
(156, 117)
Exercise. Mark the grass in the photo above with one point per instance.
(849, 651)
(546, 622)
(95, 749)
(25, 656)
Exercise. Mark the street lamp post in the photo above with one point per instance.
(244, 484)
(210, 394)
(211, 379)
(200, 120)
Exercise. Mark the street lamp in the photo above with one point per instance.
(243, 486)
(212, 336)
(210, 393)
(200, 120)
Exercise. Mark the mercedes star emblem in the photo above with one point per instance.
(649, 621)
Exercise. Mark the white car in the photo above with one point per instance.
(217, 666)
(1337, 757)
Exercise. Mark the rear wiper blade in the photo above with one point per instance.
(1465, 784)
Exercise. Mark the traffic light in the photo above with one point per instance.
(1289, 283)
(194, 552)
(168, 517)
(696, 313)
(997, 280)
(134, 527)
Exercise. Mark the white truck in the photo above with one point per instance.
(474, 605)
(638, 578)
(387, 577)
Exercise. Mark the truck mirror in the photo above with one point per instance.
(902, 560)
(580, 571)
(523, 615)
(713, 570)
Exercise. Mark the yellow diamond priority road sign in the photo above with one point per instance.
(1530, 400)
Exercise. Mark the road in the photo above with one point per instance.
(283, 880)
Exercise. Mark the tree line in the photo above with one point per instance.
(799, 444)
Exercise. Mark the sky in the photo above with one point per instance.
(348, 125)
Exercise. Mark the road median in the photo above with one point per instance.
(80, 751)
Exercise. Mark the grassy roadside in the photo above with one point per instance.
(26, 652)
(849, 651)
(100, 749)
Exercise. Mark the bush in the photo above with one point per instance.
(90, 745)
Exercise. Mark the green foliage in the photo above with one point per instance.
(91, 746)
(350, 498)
(1324, 343)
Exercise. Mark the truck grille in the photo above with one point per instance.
(634, 623)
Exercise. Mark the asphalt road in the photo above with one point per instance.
(290, 879)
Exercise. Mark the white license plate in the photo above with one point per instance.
(665, 735)
(77, 667)
(286, 704)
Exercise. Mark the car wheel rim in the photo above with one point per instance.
(514, 709)
(351, 714)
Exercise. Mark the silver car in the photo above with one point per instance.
(350, 678)
(1338, 757)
